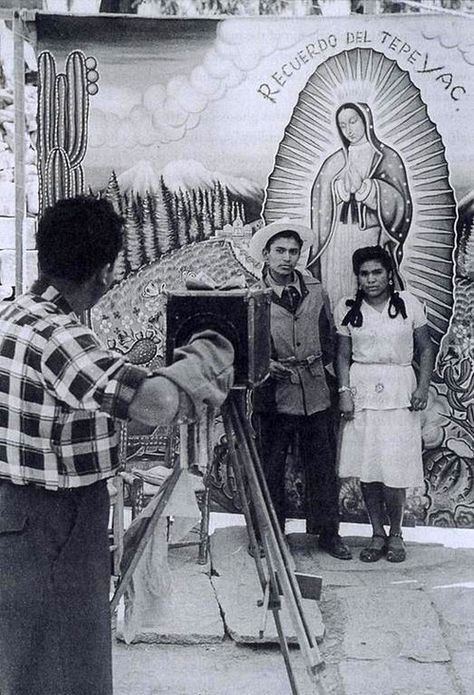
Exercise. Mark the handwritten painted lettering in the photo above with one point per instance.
(270, 89)
(423, 61)
(396, 44)
(357, 37)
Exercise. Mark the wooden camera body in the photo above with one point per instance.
(242, 316)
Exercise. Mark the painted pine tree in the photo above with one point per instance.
(218, 206)
(112, 193)
(206, 216)
(148, 231)
(164, 217)
(182, 218)
(241, 211)
(120, 267)
(173, 238)
(199, 197)
(226, 206)
(193, 224)
(209, 195)
(133, 235)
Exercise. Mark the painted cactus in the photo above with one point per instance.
(63, 111)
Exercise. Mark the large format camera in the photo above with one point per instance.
(242, 316)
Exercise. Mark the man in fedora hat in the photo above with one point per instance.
(295, 398)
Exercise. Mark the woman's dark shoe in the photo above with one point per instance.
(375, 550)
(396, 548)
(334, 546)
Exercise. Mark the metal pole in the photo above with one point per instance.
(19, 96)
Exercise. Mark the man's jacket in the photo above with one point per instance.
(303, 341)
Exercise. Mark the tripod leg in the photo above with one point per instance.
(204, 526)
(244, 436)
(279, 561)
(238, 471)
(160, 501)
(206, 459)
(285, 653)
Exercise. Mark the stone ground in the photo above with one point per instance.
(403, 629)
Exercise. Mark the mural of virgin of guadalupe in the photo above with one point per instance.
(360, 197)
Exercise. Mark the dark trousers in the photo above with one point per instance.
(55, 636)
(275, 432)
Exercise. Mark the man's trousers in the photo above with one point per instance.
(55, 636)
(275, 432)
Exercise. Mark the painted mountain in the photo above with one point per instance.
(185, 203)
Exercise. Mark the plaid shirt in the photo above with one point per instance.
(60, 391)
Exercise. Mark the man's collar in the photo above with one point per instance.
(299, 281)
(277, 288)
(301, 286)
(47, 291)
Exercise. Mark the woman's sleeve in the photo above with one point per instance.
(339, 312)
(417, 310)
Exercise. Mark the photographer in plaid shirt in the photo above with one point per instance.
(60, 393)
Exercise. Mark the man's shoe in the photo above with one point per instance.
(335, 546)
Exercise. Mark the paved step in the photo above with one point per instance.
(238, 590)
(187, 612)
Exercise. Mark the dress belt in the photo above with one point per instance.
(384, 364)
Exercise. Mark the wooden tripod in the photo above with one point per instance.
(276, 570)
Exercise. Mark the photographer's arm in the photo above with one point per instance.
(201, 374)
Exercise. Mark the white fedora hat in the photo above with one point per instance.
(263, 235)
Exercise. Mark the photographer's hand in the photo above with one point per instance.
(202, 374)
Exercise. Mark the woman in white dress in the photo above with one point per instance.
(380, 395)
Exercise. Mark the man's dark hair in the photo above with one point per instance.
(285, 234)
(78, 236)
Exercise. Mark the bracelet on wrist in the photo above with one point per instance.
(341, 389)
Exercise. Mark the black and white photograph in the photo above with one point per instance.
(236, 347)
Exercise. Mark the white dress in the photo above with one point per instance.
(383, 441)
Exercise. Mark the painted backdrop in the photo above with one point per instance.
(200, 130)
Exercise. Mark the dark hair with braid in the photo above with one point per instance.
(396, 304)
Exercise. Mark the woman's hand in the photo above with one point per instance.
(346, 405)
(279, 372)
(419, 399)
(342, 191)
(352, 179)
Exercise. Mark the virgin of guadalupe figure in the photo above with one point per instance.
(360, 197)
